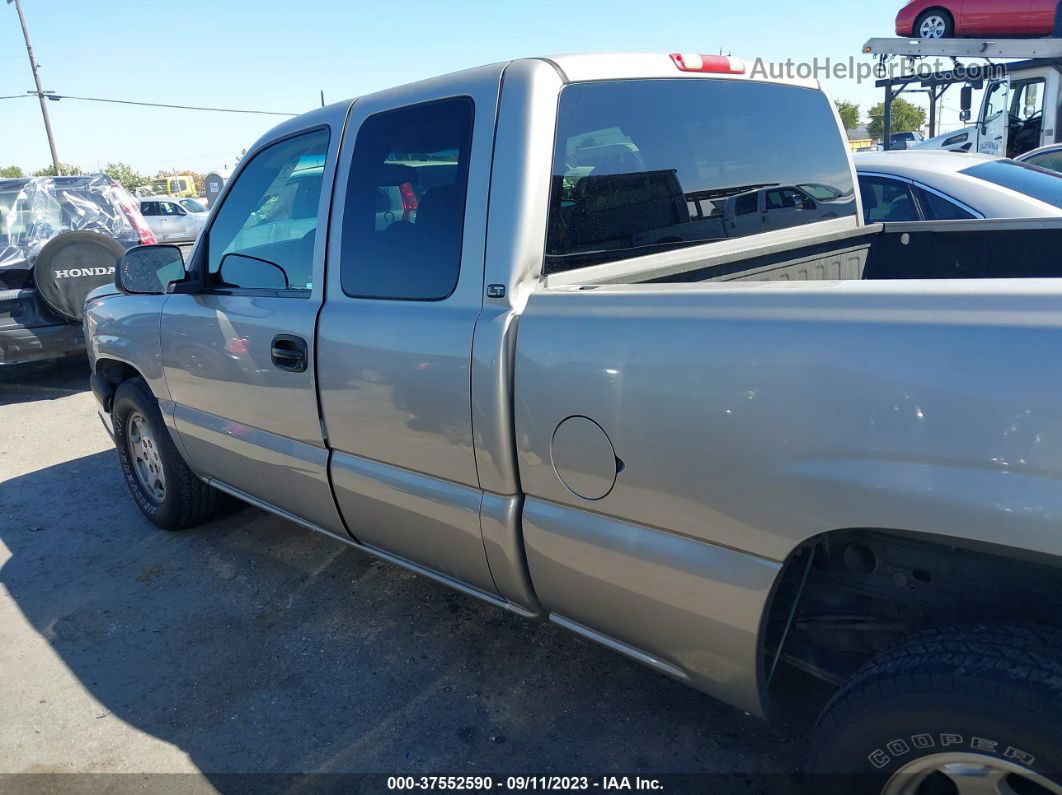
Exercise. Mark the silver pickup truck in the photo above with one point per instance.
(585, 338)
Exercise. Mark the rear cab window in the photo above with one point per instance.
(641, 166)
(405, 203)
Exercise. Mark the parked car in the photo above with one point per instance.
(1049, 157)
(905, 140)
(944, 19)
(60, 238)
(925, 185)
(171, 219)
(714, 457)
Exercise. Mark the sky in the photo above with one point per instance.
(264, 55)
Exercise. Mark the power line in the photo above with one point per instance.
(18, 96)
(165, 105)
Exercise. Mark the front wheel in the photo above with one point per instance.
(167, 492)
(935, 25)
(964, 711)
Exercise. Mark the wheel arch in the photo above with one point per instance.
(883, 584)
(107, 375)
(940, 9)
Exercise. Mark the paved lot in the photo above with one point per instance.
(252, 645)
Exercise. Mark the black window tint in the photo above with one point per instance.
(938, 208)
(263, 235)
(149, 208)
(887, 201)
(1030, 180)
(405, 205)
(744, 205)
(644, 165)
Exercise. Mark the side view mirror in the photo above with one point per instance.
(965, 115)
(149, 270)
(236, 268)
(966, 100)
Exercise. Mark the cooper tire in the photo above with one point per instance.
(72, 265)
(940, 22)
(987, 698)
(167, 492)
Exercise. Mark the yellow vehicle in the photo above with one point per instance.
(181, 186)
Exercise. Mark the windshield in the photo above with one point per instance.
(1021, 177)
(192, 206)
(641, 166)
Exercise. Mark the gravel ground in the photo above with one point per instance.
(251, 645)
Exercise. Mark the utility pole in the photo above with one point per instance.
(37, 82)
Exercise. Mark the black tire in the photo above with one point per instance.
(948, 19)
(992, 691)
(187, 500)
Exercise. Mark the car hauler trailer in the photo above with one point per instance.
(1021, 106)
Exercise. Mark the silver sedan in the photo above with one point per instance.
(173, 219)
(923, 185)
(1049, 157)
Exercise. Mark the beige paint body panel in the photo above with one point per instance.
(692, 606)
(757, 416)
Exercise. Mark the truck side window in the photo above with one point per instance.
(269, 218)
(403, 220)
(637, 162)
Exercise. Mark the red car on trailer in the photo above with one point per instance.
(944, 19)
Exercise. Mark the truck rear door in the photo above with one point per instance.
(405, 282)
(238, 356)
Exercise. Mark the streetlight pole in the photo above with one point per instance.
(37, 81)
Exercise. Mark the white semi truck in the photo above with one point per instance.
(1022, 98)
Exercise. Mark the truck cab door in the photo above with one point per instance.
(238, 355)
(994, 124)
(405, 289)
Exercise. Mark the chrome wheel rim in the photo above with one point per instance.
(933, 27)
(144, 452)
(967, 774)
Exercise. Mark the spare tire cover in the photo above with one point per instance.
(72, 265)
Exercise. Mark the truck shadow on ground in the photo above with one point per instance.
(25, 383)
(256, 646)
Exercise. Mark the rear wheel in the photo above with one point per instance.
(167, 492)
(963, 711)
(935, 24)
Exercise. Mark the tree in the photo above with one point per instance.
(12, 172)
(125, 175)
(906, 117)
(849, 114)
(68, 171)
